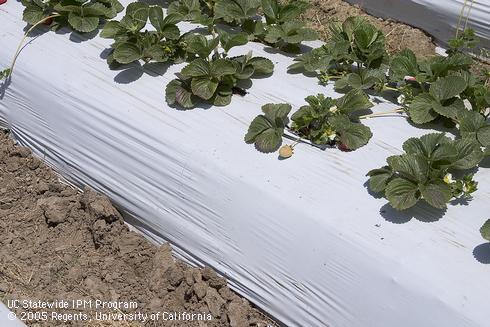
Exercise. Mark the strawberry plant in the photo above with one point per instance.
(326, 121)
(282, 27)
(82, 16)
(485, 230)
(213, 76)
(132, 44)
(425, 172)
(266, 130)
(355, 56)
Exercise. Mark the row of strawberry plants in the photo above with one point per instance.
(438, 89)
(212, 75)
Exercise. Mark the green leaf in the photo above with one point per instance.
(258, 126)
(171, 32)
(197, 68)
(189, 9)
(355, 135)
(345, 82)
(425, 145)
(270, 9)
(402, 193)
(274, 34)
(444, 156)
(176, 92)
(155, 14)
(172, 19)
(404, 64)
(447, 87)
(354, 100)
(95, 9)
(203, 87)
(221, 100)
(200, 45)
(111, 30)
(469, 124)
(277, 112)
(420, 110)
(339, 122)
(166, 25)
(412, 166)
(350, 25)
(379, 179)
(245, 72)
(485, 230)
(261, 132)
(236, 10)
(115, 7)
(450, 110)
(139, 11)
(83, 24)
(266, 130)
(33, 14)
(469, 154)
(229, 40)
(483, 135)
(437, 194)
(316, 59)
(269, 141)
(126, 53)
(221, 67)
(262, 66)
(292, 10)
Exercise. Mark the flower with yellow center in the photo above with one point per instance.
(331, 135)
(448, 179)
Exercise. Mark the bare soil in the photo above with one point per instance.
(398, 35)
(60, 244)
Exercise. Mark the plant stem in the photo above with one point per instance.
(296, 142)
(335, 76)
(381, 113)
(216, 51)
(390, 88)
(17, 52)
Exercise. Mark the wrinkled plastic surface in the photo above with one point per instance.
(439, 18)
(302, 238)
(7, 319)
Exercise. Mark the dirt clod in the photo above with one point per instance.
(55, 209)
(214, 301)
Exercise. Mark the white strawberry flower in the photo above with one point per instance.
(467, 104)
(330, 134)
(401, 99)
(448, 179)
(333, 109)
(457, 126)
